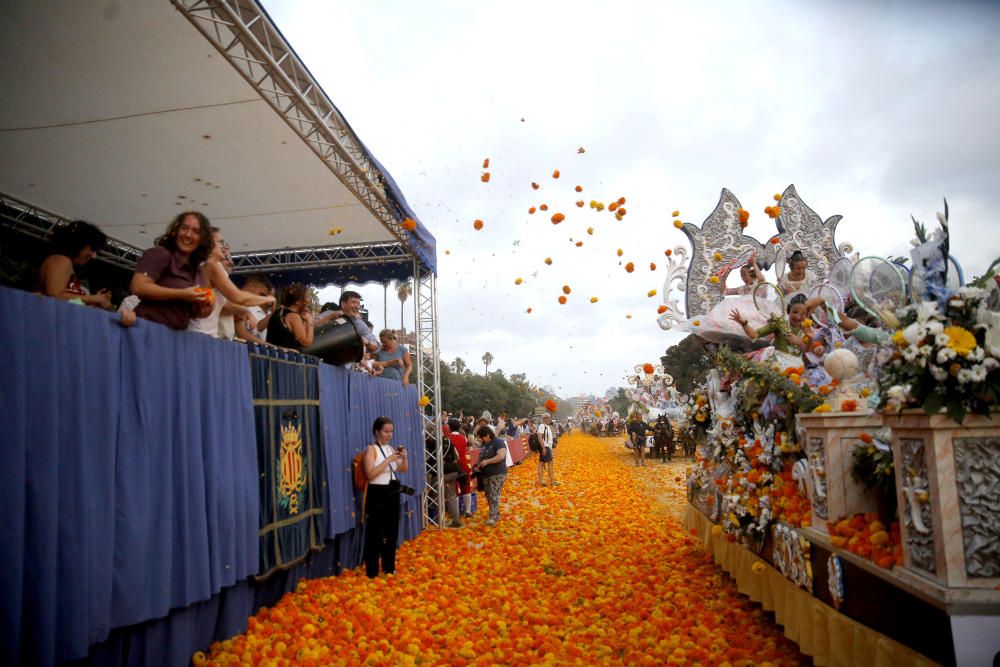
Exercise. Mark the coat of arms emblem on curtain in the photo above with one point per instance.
(291, 464)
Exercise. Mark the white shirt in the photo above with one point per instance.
(545, 435)
(383, 478)
(258, 314)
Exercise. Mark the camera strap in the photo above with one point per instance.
(392, 471)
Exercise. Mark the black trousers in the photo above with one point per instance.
(381, 529)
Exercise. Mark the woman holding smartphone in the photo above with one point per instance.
(382, 463)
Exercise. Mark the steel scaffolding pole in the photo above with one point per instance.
(429, 385)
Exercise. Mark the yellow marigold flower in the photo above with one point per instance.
(899, 339)
(548, 260)
(424, 401)
(777, 197)
(590, 230)
(714, 280)
(651, 293)
(678, 224)
(807, 322)
(409, 224)
(620, 252)
(675, 213)
(717, 256)
(823, 408)
(593, 299)
(518, 281)
(758, 567)
(961, 340)
(716, 530)
(697, 323)
(866, 392)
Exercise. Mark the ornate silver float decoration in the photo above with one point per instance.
(916, 510)
(721, 235)
(791, 555)
(835, 580)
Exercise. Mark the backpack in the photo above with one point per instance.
(358, 471)
(534, 443)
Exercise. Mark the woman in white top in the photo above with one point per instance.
(382, 463)
(216, 277)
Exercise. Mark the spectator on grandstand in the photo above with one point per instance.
(367, 365)
(291, 325)
(350, 307)
(461, 445)
(259, 285)
(492, 468)
(215, 274)
(166, 276)
(382, 500)
(73, 245)
(393, 360)
(546, 438)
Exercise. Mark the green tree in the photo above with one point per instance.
(487, 360)
(620, 402)
(687, 363)
(459, 365)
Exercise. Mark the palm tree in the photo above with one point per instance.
(487, 359)
(458, 365)
(403, 291)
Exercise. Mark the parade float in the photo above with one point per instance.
(853, 490)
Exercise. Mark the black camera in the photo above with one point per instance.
(397, 487)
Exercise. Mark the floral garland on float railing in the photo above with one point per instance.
(750, 458)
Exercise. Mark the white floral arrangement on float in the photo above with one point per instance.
(947, 345)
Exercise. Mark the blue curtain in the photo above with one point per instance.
(129, 479)
(289, 456)
(333, 383)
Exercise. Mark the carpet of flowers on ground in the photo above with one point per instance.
(595, 571)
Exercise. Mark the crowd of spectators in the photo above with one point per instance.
(183, 282)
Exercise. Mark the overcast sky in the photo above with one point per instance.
(874, 110)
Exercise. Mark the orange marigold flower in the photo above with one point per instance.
(652, 266)
(630, 267)
(548, 260)
(579, 203)
(621, 201)
(557, 218)
(849, 406)
(668, 252)
(775, 241)
(485, 178)
(678, 224)
(409, 224)
(529, 311)
(648, 368)
(531, 211)
(544, 207)
(579, 244)
(486, 163)
(777, 197)
(661, 310)
(555, 174)
(612, 206)
(620, 252)
(743, 214)
(566, 289)
(579, 188)
(562, 300)
(675, 214)
(621, 211)
(478, 224)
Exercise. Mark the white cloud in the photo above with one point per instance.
(873, 111)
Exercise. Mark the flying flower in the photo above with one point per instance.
(531, 211)
(555, 174)
(486, 163)
(544, 207)
(550, 405)
(477, 225)
(630, 267)
(534, 186)
(562, 300)
(409, 224)
(661, 310)
(652, 266)
(668, 252)
(593, 299)
(557, 218)
(518, 281)
(485, 178)
(529, 311)
(621, 201)
(697, 323)
(590, 230)
(620, 252)
(651, 293)
(777, 197)
(678, 224)
(424, 401)
(566, 289)
(579, 188)
(676, 214)
(648, 368)
(612, 206)
(579, 244)
(628, 316)
(548, 260)
(579, 203)
(581, 150)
